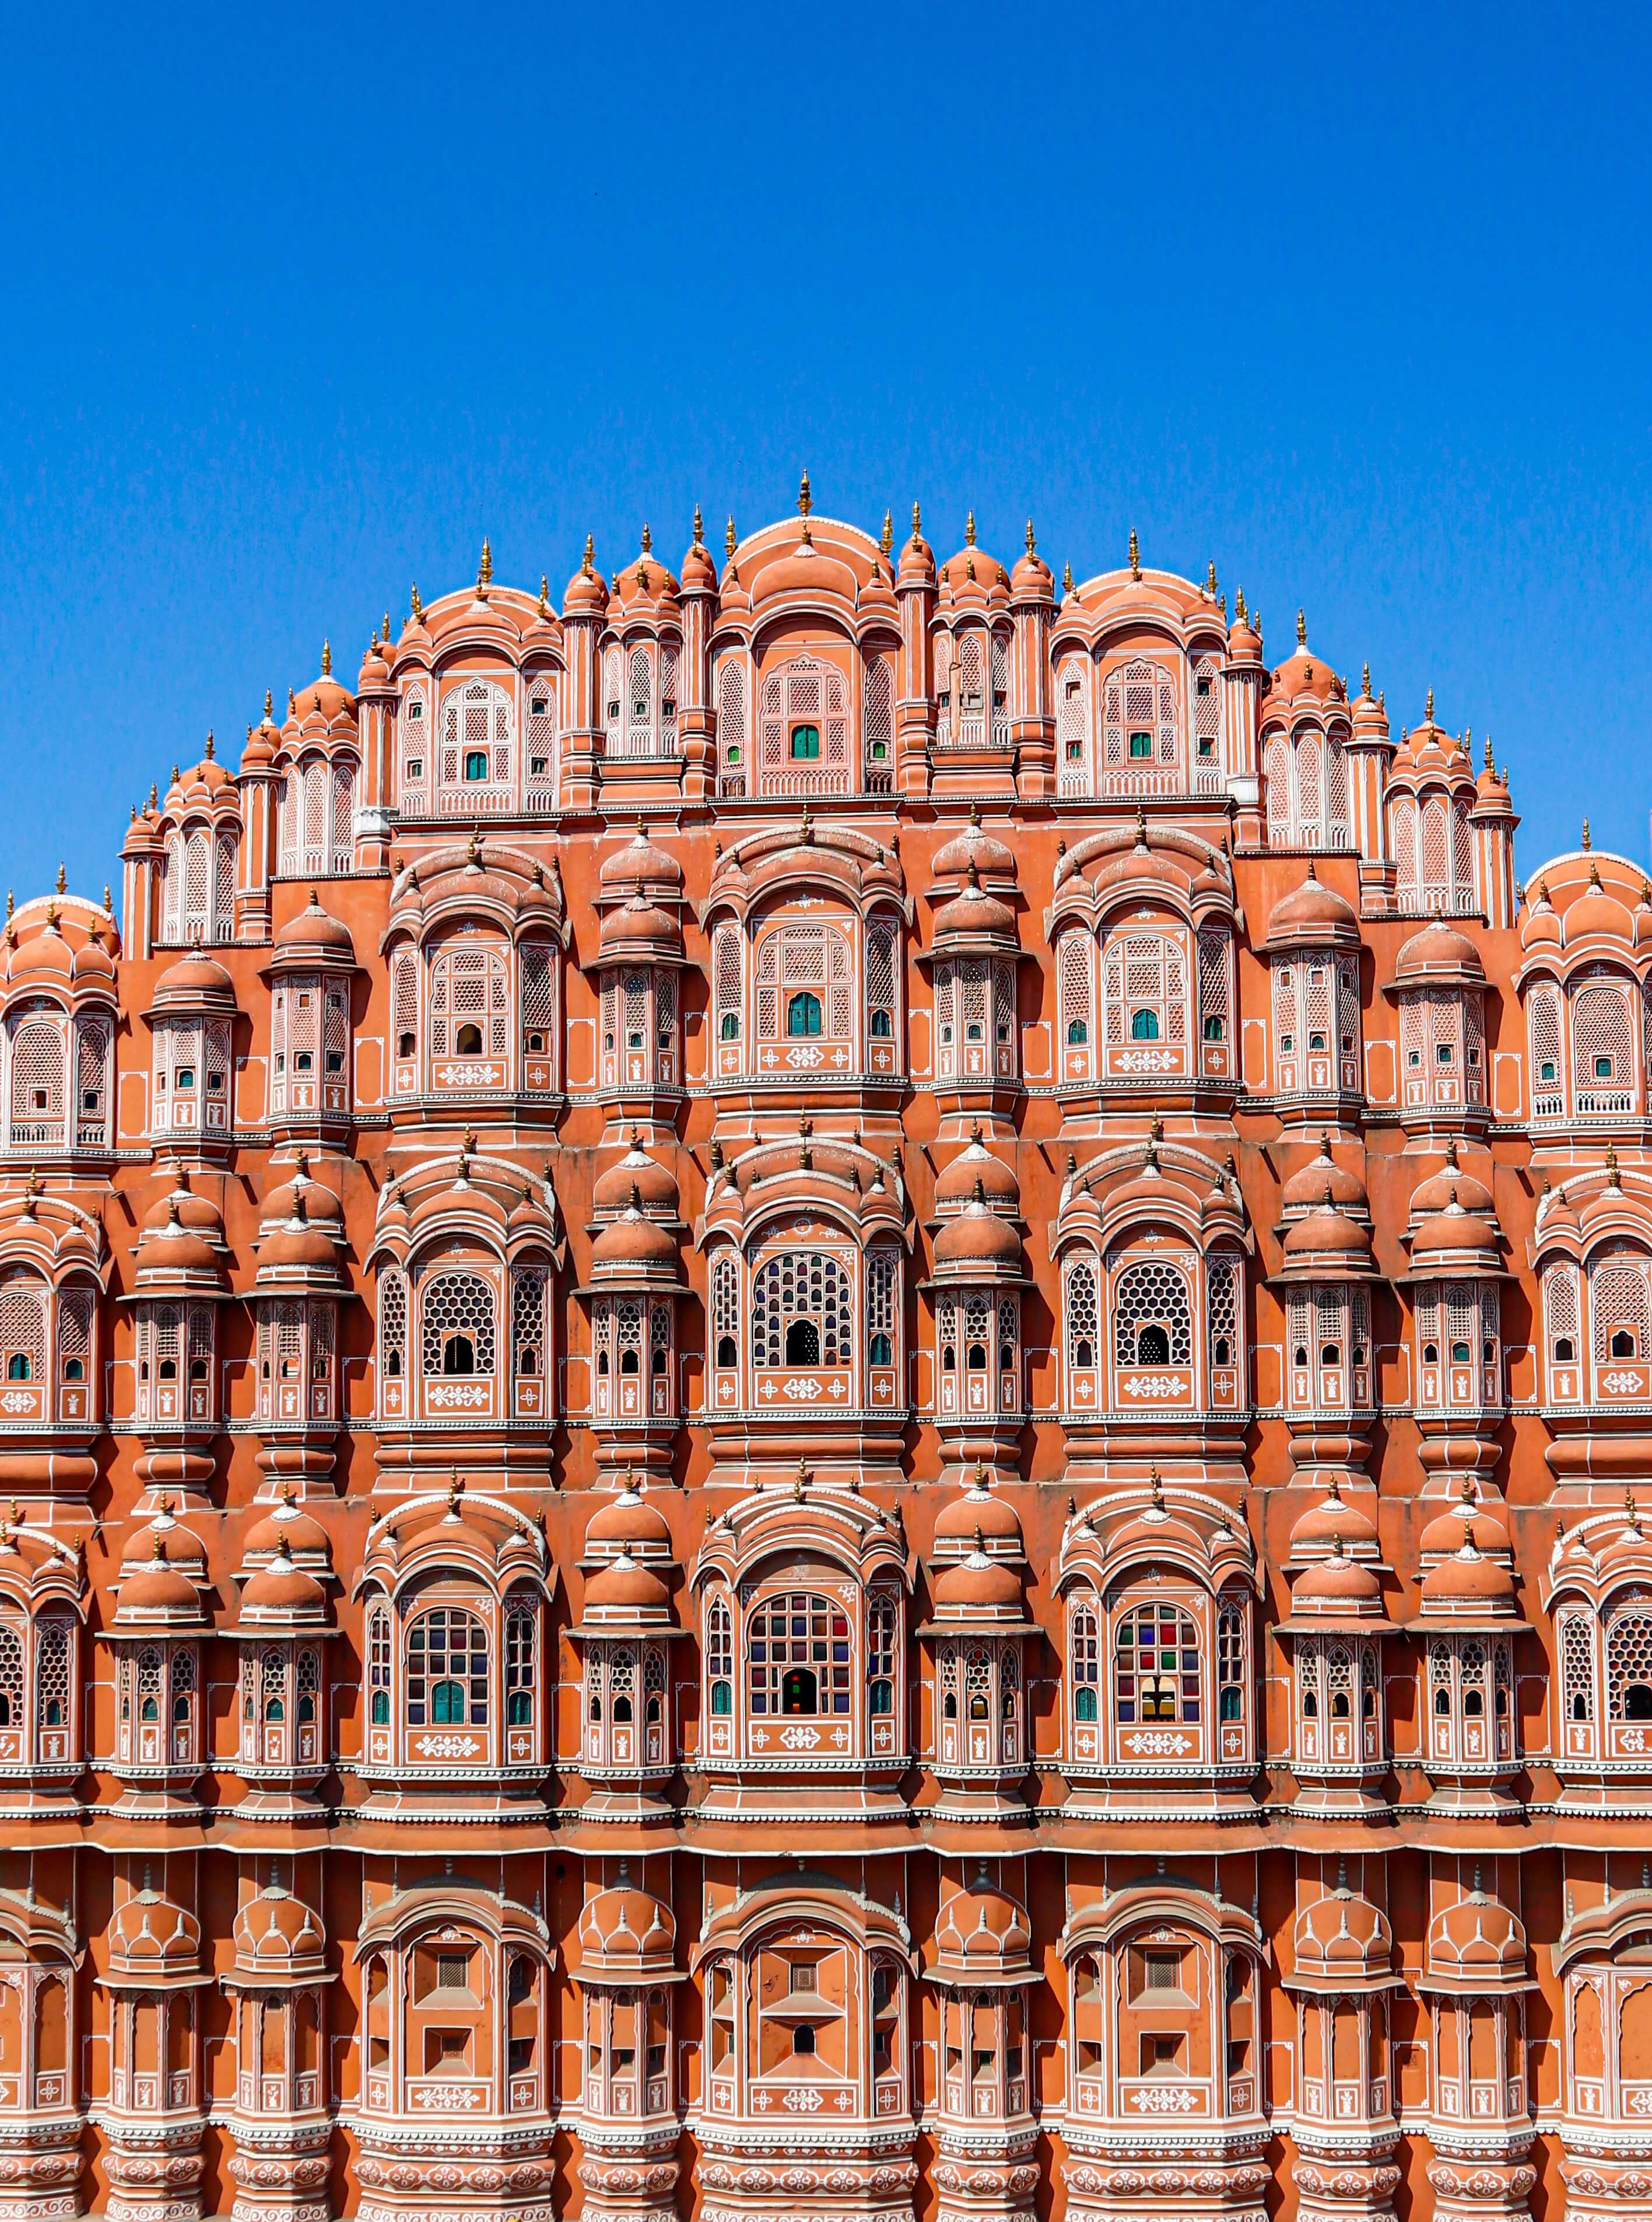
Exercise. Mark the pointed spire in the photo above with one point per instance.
(1032, 544)
(1066, 578)
(1210, 580)
(327, 659)
(1135, 554)
(418, 605)
(485, 570)
(731, 539)
(210, 745)
(887, 542)
(1301, 629)
(969, 530)
(917, 522)
(700, 528)
(62, 881)
(544, 596)
(1428, 708)
(1587, 845)
(1239, 605)
(1365, 682)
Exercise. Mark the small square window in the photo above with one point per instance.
(1141, 746)
(415, 767)
(1603, 1068)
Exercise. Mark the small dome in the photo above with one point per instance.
(283, 1595)
(1327, 1232)
(975, 916)
(587, 593)
(640, 932)
(1439, 955)
(172, 1254)
(195, 983)
(654, 1185)
(624, 1592)
(298, 1250)
(1342, 1941)
(1311, 915)
(979, 1519)
(1330, 1521)
(1477, 1943)
(1447, 1531)
(976, 1167)
(992, 859)
(316, 932)
(1468, 1581)
(1338, 1585)
(286, 1531)
(627, 1932)
(978, 1587)
(628, 1526)
(1455, 1236)
(632, 1247)
(278, 1938)
(1307, 1189)
(184, 1207)
(641, 866)
(1596, 914)
(1435, 1193)
(978, 1240)
(982, 1931)
(153, 1941)
(322, 1208)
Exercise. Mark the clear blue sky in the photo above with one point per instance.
(298, 307)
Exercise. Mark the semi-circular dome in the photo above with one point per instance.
(653, 1184)
(979, 1519)
(623, 1592)
(1438, 955)
(1342, 1941)
(1338, 1585)
(1308, 1187)
(628, 1934)
(1478, 1945)
(1332, 1520)
(976, 1168)
(978, 1240)
(283, 1596)
(153, 1941)
(279, 1940)
(1311, 915)
(628, 1526)
(1468, 1581)
(195, 983)
(983, 1934)
(315, 932)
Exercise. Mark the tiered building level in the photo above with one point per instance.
(826, 1388)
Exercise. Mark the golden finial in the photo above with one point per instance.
(586, 564)
(1066, 578)
(154, 794)
(1428, 708)
(969, 568)
(327, 659)
(108, 901)
(805, 499)
(485, 568)
(1032, 544)
(418, 605)
(1301, 629)
(387, 629)
(1365, 682)
(1239, 605)
(1586, 845)
(642, 574)
(648, 539)
(730, 540)
(888, 542)
(174, 775)
(1135, 554)
(269, 705)
(700, 528)
(1489, 766)
(969, 530)
(62, 880)
(544, 595)
(1210, 580)
(917, 522)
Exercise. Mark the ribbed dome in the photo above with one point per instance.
(978, 1240)
(1468, 1580)
(278, 1939)
(153, 1941)
(316, 932)
(1307, 1189)
(654, 1184)
(976, 1167)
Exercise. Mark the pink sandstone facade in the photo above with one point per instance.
(828, 1388)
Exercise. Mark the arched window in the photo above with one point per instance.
(1156, 1665)
(1072, 726)
(1153, 1322)
(803, 1012)
(22, 1324)
(1629, 1660)
(800, 1311)
(719, 1660)
(1547, 1065)
(458, 1326)
(1081, 1316)
(12, 1713)
(447, 1670)
(478, 721)
(1603, 1058)
(377, 1647)
(805, 739)
(1140, 728)
(520, 1625)
(38, 1056)
(1086, 1664)
(805, 980)
(798, 1657)
(725, 1312)
(470, 1004)
(1144, 1026)
(731, 720)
